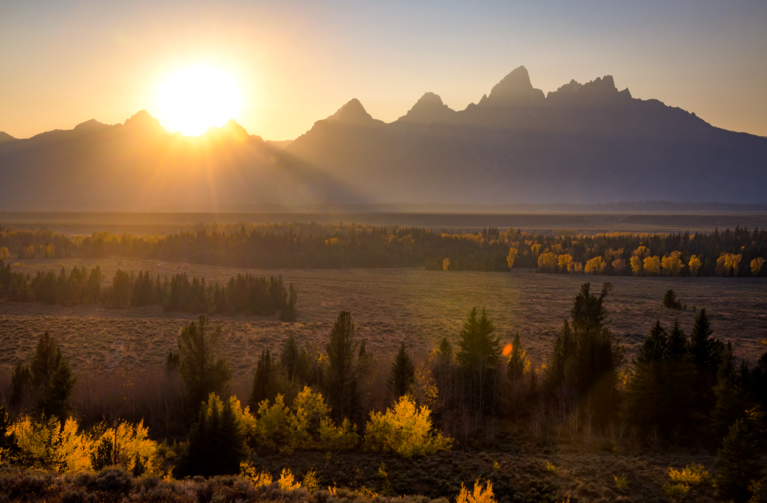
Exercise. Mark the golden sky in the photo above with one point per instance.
(64, 62)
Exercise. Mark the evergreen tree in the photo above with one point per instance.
(731, 397)
(677, 343)
(739, 461)
(264, 381)
(478, 357)
(343, 368)
(202, 369)
(402, 374)
(585, 361)
(705, 353)
(53, 398)
(515, 366)
(288, 312)
(21, 386)
(216, 442)
(289, 356)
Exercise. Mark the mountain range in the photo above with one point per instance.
(583, 143)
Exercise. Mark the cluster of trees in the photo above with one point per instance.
(680, 390)
(732, 252)
(242, 294)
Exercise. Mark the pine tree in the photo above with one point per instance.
(402, 374)
(289, 356)
(216, 442)
(731, 399)
(342, 375)
(739, 461)
(288, 313)
(705, 353)
(478, 357)
(202, 369)
(517, 362)
(53, 399)
(21, 386)
(264, 380)
(677, 343)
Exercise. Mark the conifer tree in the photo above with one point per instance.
(216, 442)
(264, 380)
(705, 353)
(677, 343)
(731, 397)
(289, 356)
(515, 366)
(739, 462)
(343, 368)
(204, 371)
(21, 386)
(402, 374)
(478, 357)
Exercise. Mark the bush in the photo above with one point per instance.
(670, 301)
(478, 496)
(404, 430)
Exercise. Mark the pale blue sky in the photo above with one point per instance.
(64, 62)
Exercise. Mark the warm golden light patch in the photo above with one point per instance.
(197, 98)
(507, 350)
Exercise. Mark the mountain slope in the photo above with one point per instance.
(139, 166)
(583, 143)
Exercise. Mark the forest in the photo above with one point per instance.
(242, 294)
(736, 252)
(472, 393)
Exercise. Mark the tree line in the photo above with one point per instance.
(242, 294)
(732, 252)
(679, 390)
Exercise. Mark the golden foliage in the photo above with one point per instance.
(48, 444)
(651, 265)
(694, 264)
(511, 257)
(727, 264)
(756, 265)
(619, 265)
(479, 495)
(636, 265)
(4, 253)
(596, 265)
(565, 262)
(446, 264)
(691, 474)
(311, 482)
(404, 429)
(287, 481)
(672, 264)
(257, 477)
(547, 261)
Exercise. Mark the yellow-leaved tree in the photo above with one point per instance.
(651, 265)
(547, 262)
(619, 265)
(694, 264)
(566, 263)
(756, 266)
(404, 429)
(672, 264)
(512, 256)
(595, 266)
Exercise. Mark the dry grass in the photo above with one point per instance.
(388, 305)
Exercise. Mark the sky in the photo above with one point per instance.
(64, 62)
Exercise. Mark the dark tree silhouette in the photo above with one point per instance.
(202, 369)
(402, 373)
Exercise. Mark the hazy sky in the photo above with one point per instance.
(64, 62)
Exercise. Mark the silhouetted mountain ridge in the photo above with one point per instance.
(581, 144)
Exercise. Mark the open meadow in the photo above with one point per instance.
(388, 306)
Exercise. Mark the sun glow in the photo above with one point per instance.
(197, 98)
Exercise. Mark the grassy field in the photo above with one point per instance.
(388, 305)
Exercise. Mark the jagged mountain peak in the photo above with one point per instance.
(429, 108)
(515, 88)
(91, 126)
(353, 112)
(142, 119)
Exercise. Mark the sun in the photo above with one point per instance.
(197, 98)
